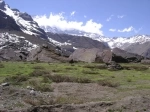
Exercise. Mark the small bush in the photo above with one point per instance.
(70, 68)
(83, 80)
(37, 85)
(2, 65)
(56, 70)
(89, 72)
(108, 83)
(46, 80)
(60, 78)
(129, 80)
(17, 79)
(102, 66)
(39, 73)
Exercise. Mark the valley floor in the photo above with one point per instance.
(77, 87)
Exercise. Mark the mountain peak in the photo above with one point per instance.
(2, 4)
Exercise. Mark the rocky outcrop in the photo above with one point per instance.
(12, 55)
(47, 54)
(98, 55)
(124, 56)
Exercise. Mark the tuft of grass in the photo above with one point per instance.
(129, 80)
(17, 79)
(136, 67)
(108, 83)
(39, 67)
(43, 87)
(2, 65)
(89, 72)
(101, 66)
(60, 78)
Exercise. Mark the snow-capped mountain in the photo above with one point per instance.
(23, 20)
(123, 42)
(120, 42)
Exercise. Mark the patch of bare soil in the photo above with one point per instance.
(74, 97)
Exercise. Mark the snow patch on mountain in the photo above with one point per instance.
(7, 39)
(58, 43)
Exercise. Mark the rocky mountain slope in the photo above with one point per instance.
(71, 42)
(19, 21)
(19, 34)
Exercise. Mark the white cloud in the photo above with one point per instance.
(127, 29)
(108, 19)
(60, 22)
(112, 30)
(121, 16)
(73, 13)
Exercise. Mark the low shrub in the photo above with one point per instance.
(39, 73)
(137, 68)
(39, 67)
(102, 66)
(39, 86)
(17, 79)
(89, 72)
(60, 78)
(2, 65)
(108, 83)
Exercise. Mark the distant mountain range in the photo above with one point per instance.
(139, 44)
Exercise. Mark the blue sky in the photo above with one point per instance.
(106, 17)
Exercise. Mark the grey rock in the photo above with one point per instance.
(145, 61)
(86, 55)
(112, 65)
(120, 55)
(46, 54)
(5, 84)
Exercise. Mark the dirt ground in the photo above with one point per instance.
(74, 97)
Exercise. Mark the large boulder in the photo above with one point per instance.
(91, 55)
(122, 56)
(47, 54)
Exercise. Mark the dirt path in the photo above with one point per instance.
(75, 97)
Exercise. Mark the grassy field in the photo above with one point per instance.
(41, 75)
